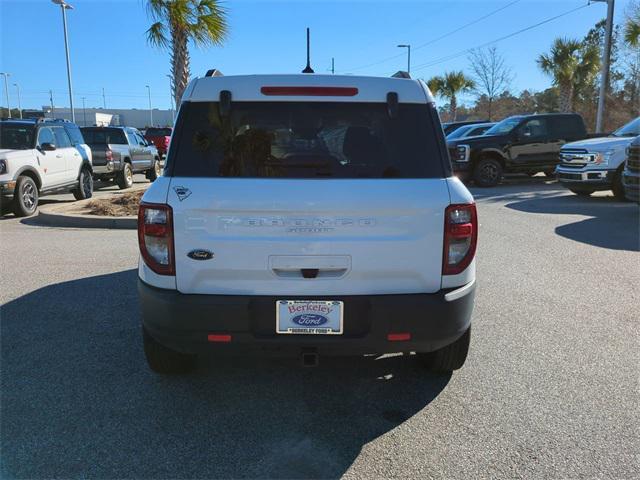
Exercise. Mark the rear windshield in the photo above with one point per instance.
(158, 132)
(306, 140)
(96, 136)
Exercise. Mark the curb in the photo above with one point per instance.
(51, 218)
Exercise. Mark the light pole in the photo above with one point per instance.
(19, 107)
(171, 101)
(6, 90)
(64, 7)
(408, 47)
(84, 113)
(150, 108)
(604, 72)
(104, 99)
(51, 100)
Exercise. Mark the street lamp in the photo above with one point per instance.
(408, 47)
(150, 108)
(64, 6)
(84, 113)
(606, 59)
(6, 90)
(19, 107)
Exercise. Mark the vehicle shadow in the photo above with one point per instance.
(610, 224)
(78, 400)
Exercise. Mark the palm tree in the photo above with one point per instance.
(632, 32)
(572, 65)
(450, 86)
(176, 23)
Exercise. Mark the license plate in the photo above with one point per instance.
(309, 317)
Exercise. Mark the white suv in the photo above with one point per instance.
(311, 214)
(42, 156)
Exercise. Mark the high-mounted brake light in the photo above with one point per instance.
(310, 91)
(155, 237)
(460, 237)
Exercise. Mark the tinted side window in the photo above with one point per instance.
(45, 135)
(306, 140)
(74, 134)
(534, 128)
(62, 139)
(132, 138)
(566, 127)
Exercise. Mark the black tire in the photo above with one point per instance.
(155, 171)
(449, 358)
(85, 185)
(618, 187)
(164, 360)
(25, 197)
(582, 192)
(487, 173)
(124, 179)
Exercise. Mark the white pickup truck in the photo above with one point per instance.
(597, 164)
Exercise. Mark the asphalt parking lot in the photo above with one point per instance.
(551, 387)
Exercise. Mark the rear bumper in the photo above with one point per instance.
(183, 322)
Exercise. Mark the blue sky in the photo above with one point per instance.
(109, 49)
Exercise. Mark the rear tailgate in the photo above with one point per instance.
(357, 236)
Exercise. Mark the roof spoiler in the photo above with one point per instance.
(214, 72)
(401, 74)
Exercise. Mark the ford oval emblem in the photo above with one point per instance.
(200, 255)
(310, 320)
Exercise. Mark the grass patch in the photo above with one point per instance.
(117, 206)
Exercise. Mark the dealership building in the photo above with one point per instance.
(108, 116)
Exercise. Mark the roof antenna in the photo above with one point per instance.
(308, 68)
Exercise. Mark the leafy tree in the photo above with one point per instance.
(572, 64)
(450, 86)
(178, 22)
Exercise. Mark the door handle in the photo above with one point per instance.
(58, 156)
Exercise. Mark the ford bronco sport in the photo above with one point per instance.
(308, 214)
(39, 156)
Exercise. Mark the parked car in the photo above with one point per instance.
(160, 137)
(631, 174)
(119, 152)
(40, 156)
(311, 214)
(596, 164)
(449, 127)
(518, 144)
(470, 131)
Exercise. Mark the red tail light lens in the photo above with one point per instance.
(155, 237)
(108, 155)
(460, 237)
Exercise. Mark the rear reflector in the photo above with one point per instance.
(219, 338)
(398, 337)
(311, 91)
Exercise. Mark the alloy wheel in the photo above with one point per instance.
(29, 196)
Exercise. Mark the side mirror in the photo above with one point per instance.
(48, 147)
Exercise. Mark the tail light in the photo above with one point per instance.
(460, 237)
(108, 155)
(155, 237)
(166, 141)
